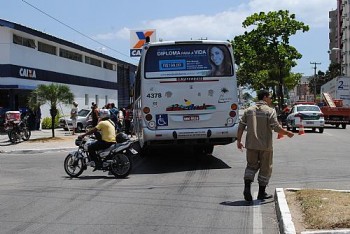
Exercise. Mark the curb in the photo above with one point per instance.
(284, 216)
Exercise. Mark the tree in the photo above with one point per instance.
(52, 95)
(264, 55)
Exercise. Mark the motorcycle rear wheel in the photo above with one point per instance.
(73, 167)
(121, 165)
(26, 134)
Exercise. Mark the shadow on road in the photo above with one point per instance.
(175, 160)
(245, 203)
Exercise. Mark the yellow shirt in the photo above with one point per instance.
(107, 130)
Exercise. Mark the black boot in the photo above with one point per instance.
(247, 193)
(262, 195)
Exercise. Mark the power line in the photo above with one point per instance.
(75, 30)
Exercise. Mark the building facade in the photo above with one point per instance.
(30, 57)
(339, 36)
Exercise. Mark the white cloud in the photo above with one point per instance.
(227, 24)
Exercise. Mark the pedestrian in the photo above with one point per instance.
(121, 119)
(94, 115)
(37, 118)
(114, 114)
(259, 121)
(74, 117)
(128, 119)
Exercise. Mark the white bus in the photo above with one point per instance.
(186, 94)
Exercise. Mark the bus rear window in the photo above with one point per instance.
(200, 60)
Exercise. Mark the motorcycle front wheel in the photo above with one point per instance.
(13, 136)
(73, 166)
(121, 165)
(26, 134)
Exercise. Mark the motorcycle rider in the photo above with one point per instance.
(107, 138)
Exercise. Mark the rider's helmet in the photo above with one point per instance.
(104, 113)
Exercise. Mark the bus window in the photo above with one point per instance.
(196, 60)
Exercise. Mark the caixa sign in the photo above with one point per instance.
(26, 72)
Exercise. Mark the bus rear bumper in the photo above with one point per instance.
(212, 136)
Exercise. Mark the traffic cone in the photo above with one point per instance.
(301, 129)
(280, 136)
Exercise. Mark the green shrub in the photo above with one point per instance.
(46, 122)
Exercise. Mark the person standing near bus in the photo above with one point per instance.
(259, 120)
(74, 117)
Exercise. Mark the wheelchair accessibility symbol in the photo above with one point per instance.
(162, 120)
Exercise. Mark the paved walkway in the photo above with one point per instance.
(39, 141)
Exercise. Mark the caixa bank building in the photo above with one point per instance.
(30, 57)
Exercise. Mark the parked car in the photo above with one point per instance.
(82, 121)
(309, 116)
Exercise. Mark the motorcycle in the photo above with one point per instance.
(17, 130)
(116, 159)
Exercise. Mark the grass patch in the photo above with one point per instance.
(324, 209)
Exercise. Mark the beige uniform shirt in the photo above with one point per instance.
(260, 121)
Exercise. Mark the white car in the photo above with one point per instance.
(306, 115)
(82, 120)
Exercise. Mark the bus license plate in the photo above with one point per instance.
(309, 122)
(191, 117)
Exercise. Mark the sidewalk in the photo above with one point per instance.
(40, 141)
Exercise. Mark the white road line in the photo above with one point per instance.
(257, 216)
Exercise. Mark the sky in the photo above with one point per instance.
(105, 25)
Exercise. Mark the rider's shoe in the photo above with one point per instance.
(91, 163)
(97, 166)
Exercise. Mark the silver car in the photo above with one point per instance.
(308, 116)
(83, 119)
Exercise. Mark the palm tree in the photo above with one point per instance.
(52, 94)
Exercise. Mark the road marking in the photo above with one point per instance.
(257, 216)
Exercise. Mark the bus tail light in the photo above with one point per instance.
(152, 124)
(148, 117)
(234, 106)
(232, 114)
(146, 110)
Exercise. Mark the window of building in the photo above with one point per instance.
(24, 41)
(71, 55)
(93, 61)
(109, 66)
(46, 48)
(106, 99)
(86, 99)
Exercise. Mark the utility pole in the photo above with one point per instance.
(315, 67)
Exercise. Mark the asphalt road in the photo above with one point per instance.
(172, 191)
